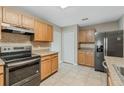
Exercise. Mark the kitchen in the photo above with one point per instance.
(35, 51)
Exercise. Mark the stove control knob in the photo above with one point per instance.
(4, 48)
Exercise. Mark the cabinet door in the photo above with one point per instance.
(49, 33)
(11, 16)
(89, 58)
(0, 30)
(90, 36)
(0, 13)
(40, 31)
(82, 36)
(1, 80)
(1, 76)
(54, 64)
(37, 36)
(43, 32)
(28, 21)
(45, 69)
(81, 58)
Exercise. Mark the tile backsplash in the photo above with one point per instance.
(14, 38)
(21, 39)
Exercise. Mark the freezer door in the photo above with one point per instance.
(114, 44)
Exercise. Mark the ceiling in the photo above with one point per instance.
(73, 14)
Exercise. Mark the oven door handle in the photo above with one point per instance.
(17, 64)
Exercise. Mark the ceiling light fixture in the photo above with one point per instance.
(84, 19)
(63, 6)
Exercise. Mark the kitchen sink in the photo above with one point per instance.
(120, 70)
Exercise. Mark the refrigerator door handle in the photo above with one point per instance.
(106, 46)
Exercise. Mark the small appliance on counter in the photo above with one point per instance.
(107, 44)
(22, 68)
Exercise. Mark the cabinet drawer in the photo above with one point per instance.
(54, 55)
(45, 58)
(1, 80)
(1, 69)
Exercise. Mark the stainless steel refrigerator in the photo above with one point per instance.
(107, 44)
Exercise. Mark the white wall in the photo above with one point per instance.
(109, 26)
(69, 44)
(56, 44)
(121, 27)
(121, 23)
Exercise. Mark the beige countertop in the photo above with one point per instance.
(110, 61)
(1, 62)
(43, 53)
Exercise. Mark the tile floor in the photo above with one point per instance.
(75, 75)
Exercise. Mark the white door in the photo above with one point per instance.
(56, 44)
(68, 46)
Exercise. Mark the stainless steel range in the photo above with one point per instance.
(22, 68)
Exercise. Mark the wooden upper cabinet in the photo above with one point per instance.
(87, 36)
(90, 36)
(43, 32)
(11, 16)
(0, 13)
(82, 36)
(49, 33)
(37, 31)
(28, 21)
(40, 31)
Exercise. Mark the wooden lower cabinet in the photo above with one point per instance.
(1, 76)
(89, 58)
(1, 79)
(49, 65)
(54, 64)
(86, 58)
(45, 68)
(81, 58)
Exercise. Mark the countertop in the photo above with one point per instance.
(1, 62)
(43, 53)
(110, 61)
(85, 49)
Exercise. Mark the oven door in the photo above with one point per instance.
(23, 73)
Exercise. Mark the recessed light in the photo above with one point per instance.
(84, 19)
